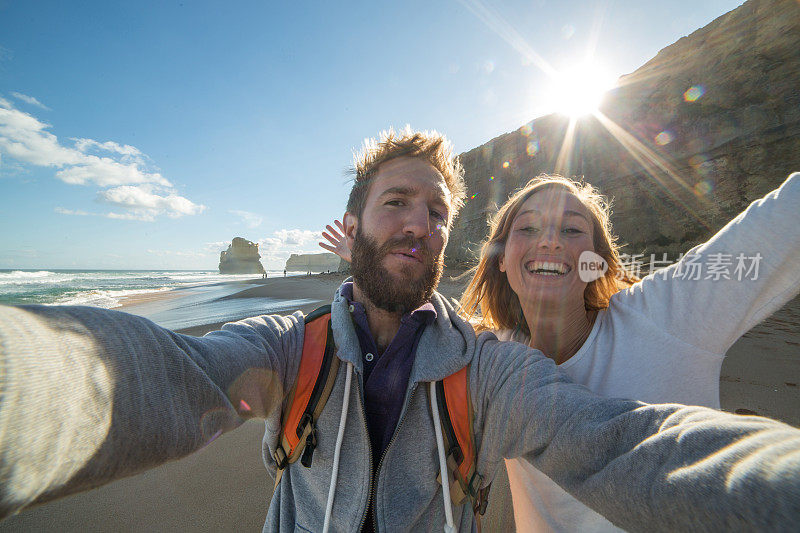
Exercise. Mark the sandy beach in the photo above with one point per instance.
(225, 486)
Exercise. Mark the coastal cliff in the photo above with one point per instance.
(312, 262)
(241, 257)
(684, 143)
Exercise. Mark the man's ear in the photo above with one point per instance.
(350, 228)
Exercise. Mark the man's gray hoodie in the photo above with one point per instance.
(88, 396)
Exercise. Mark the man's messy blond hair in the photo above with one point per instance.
(430, 146)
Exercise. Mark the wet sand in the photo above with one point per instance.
(225, 486)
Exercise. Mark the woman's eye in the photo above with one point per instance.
(572, 230)
(527, 229)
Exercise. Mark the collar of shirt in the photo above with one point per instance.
(424, 314)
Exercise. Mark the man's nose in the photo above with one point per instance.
(417, 223)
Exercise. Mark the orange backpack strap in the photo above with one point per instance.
(455, 413)
(315, 378)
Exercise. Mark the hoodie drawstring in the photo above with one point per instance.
(443, 471)
(437, 425)
(337, 452)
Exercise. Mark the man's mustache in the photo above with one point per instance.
(406, 243)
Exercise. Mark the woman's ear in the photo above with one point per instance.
(501, 261)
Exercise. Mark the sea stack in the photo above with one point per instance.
(321, 262)
(241, 257)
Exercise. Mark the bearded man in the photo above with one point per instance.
(92, 395)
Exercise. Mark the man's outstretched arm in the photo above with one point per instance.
(644, 467)
(90, 395)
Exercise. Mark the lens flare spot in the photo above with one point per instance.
(532, 148)
(664, 138)
(491, 178)
(473, 196)
(506, 164)
(693, 93)
(244, 406)
(701, 164)
(703, 187)
(526, 130)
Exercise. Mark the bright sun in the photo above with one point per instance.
(579, 90)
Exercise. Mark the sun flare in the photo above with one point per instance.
(579, 90)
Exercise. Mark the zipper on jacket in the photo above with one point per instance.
(380, 462)
(369, 445)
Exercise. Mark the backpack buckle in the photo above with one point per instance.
(308, 450)
(281, 459)
(473, 487)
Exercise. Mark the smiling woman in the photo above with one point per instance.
(659, 339)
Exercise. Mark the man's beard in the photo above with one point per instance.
(396, 294)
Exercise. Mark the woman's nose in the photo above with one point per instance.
(550, 238)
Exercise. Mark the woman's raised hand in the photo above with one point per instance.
(338, 244)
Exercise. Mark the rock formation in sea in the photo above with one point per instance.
(684, 143)
(241, 257)
(312, 262)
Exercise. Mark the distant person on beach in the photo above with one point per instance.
(92, 395)
(284, 272)
(661, 339)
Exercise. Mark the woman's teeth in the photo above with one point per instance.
(547, 268)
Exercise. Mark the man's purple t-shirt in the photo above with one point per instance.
(386, 375)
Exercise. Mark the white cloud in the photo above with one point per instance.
(24, 138)
(296, 236)
(252, 220)
(144, 202)
(216, 247)
(84, 145)
(143, 215)
(29, 100)
(76, 212)
(277, 248)
(106, 172)
(141, 190)
(128, 154)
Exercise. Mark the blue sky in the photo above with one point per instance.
(141, 135)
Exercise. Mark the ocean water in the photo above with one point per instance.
(101, 288)
(197, 297)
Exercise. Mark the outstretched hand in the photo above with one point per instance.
(338, 244)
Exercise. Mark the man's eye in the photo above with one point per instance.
(395, 203)
(437, 215)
